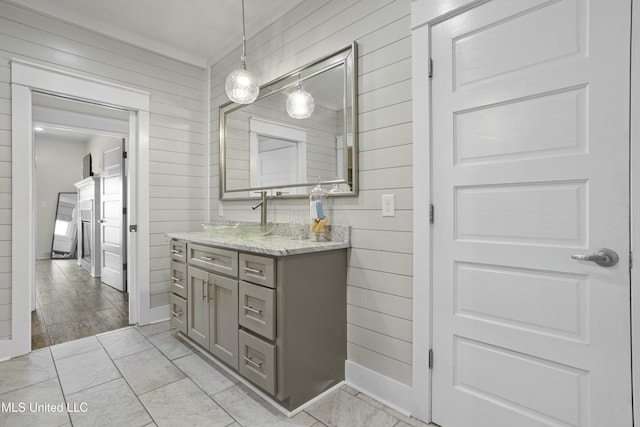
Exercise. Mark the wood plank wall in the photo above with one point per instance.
(379, 291)
(178, 167)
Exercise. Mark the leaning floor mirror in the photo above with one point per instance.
(65, 235)
(302, 130)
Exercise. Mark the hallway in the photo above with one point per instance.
(70, 304)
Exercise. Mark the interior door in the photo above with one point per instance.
(277, 162)
(112, 248)
(531, 167)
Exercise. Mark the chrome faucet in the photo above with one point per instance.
(262, 204)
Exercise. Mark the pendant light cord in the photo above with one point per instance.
(244, 40)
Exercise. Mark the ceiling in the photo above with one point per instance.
(192, 31)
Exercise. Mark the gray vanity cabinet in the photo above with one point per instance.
(279, 321)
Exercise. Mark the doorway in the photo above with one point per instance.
(26, 79)
(530, 170)
(73, 297)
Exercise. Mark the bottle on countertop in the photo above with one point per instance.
(318, 204)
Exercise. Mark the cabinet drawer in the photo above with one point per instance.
(179, 279)
(178, 250)
(257, 308)
(258, 361)
(258, 269)
(214, 259)
(178, 313)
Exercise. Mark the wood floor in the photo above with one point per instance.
(70, 304)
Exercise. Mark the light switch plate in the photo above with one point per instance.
(388, 205)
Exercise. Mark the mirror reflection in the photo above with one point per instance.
(64, 242)
(298, 132)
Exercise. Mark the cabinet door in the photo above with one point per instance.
(198, 306)
(224, 319)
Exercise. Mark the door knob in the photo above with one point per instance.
(603, 257)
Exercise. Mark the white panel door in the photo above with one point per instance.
(531, 166)
(277, 162)
(112, 250)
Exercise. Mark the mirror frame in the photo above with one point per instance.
(283, 82)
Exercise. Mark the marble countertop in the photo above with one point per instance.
(275, 245)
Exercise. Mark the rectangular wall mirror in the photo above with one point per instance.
(266, 145)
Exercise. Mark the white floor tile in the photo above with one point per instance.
(155, 328)
(124, 342)
(109, 404)
(169, 345)
(33, 405)
(343, 409)
(85, 370)
(148, 371)
(182, 403)
(72, 348)
(204, 374)
(26, 370)
(246, 407)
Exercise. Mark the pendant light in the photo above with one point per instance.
(241, 85)
(300, 104)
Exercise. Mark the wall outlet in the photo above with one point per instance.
(388, 205)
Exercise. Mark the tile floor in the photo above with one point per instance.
(70, 304)
(147, 376)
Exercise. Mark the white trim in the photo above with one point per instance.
(51, 80)
(387, 391)
(81, 122)
(635, 207)
(27, 77)
(422, 328)
(23, 270)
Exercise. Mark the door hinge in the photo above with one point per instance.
(124, 211)
(430, 359)
(133, 227)
(431, 213)
(124, 154)
(430, 68)
(124, 266)
(630, 260)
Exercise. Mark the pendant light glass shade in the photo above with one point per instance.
(300, 104)
(241, 85)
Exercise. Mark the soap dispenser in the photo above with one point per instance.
(318, 203)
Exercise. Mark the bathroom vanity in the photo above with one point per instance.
(270, 308)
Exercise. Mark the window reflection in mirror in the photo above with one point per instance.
(263, 147)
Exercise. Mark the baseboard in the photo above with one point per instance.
(388, 391)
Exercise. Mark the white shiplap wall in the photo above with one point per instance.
(177, 132)
(379, 284)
